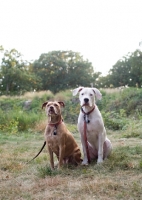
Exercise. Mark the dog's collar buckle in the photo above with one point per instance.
(55, 125)
(86, 119)
(55, 132)
(87, 114)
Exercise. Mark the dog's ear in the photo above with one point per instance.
(97, 93)
(61, 103)
(75, 91)
(44, 104)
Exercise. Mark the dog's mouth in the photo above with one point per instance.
(51, 111)
(85, 104)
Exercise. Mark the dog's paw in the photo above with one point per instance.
(84, 163)
(99, 161)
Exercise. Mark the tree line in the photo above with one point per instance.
(61, 70)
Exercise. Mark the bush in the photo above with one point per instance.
(114, 121)
(115, 108)
(129, 99)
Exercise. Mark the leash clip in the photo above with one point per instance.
(86, 118)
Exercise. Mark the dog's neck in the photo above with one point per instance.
(87, 109)
(86, 113)
(54, 120)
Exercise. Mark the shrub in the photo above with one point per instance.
(114, 121)
(115, 108)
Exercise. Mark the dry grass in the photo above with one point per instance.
(40, 126)
(29, 95)
(114, 90)
(21, 181)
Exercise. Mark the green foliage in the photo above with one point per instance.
(127, 71)
(140, 164)
(114, 121)
(71, 112)
(59, 70)
(27, 121)
(46, 171)
(129, 100)
(15, 118)
(10, 127)
(120, 111)
(123, 158)
(15, 74)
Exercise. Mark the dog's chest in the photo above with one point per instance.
(52, 138)
(52, 133)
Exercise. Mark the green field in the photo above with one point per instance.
(119, 177)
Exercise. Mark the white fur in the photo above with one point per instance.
(96, 133)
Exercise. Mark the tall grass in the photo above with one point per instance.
(117, 108)
(119, 177)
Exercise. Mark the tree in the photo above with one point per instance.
(60, 70)
(127, 71)
(15, 74)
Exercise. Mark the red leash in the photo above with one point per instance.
(86, 143)
(85, 130)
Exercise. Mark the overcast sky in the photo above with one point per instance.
(103, 31)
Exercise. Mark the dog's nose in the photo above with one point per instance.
(86, 100)
(51, 107)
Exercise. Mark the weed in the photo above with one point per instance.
(140, 164)
(46, 171)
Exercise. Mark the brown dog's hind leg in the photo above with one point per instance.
(61, 153)
(77, 157)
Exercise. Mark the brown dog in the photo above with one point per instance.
(58, 138)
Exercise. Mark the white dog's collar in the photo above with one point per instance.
(86, 114)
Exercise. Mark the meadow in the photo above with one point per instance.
(21, 137)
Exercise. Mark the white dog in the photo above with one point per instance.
(99, 146)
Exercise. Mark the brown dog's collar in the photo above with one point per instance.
(55, 124)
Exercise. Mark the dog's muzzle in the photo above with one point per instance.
(86, 100)
(51, 110)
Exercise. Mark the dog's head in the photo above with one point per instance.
(87, 95)
(53, 108)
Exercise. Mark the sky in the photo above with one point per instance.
(103, 31)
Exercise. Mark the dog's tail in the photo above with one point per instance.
(38, 152)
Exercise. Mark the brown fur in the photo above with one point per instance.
(58, 138)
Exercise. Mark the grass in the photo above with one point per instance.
(119, 177)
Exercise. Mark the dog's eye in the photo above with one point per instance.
(82, 93)
(91, 94)
(55, 105)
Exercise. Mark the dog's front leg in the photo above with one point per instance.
(61, 155)
(100, 149)
(51, 158)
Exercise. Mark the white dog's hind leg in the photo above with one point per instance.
(100, 149)
(107, 148)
